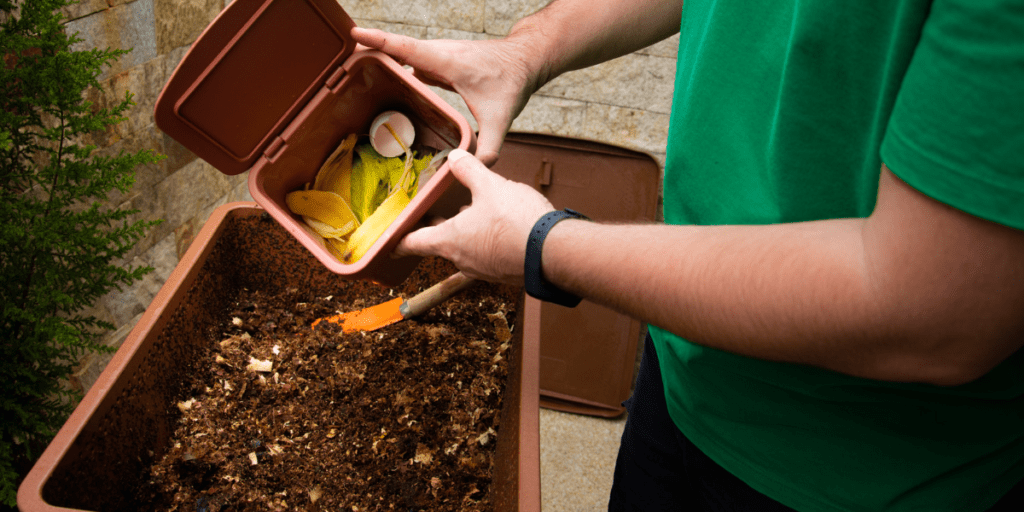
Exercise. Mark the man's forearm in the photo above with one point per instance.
(769, 292)
(573, 34)
(918, 292)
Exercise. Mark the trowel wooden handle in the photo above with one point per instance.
(436, 294)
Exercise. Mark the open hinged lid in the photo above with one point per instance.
(249, 74)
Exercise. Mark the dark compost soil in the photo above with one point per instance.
(281, 417)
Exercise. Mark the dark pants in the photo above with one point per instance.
(659, 469)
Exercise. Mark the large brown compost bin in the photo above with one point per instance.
(126, 419)
(588, 352)
(273, 86)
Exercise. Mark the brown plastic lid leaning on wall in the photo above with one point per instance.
(588, 353)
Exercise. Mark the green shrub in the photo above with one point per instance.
(60, 240)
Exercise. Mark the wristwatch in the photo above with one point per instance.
(536, 285)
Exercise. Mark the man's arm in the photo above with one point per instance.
(497, 77)
(574, 34)
(917, 292)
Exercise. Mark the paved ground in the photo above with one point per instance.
(577, 458)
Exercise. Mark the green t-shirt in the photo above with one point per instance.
(785, 111)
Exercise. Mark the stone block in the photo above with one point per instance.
(635, 81)
(552, 116)
(83, 8)
(178, 156)
(125, 304)
(179, 22)
(465, 15)
(146, 176)
(502, 14)
(184, 235)
(182, 195)
(172, 58)
(128, 27)
(640, 130)
(144, 81)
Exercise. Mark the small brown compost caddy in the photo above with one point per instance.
(126, 420)
(272, 87)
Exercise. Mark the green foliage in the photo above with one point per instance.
(59, 237)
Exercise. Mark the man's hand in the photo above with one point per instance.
(487, 240)
(491, 76)
(497, 77)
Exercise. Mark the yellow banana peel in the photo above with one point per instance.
(371, 178)
(358, 193)
(374, 226)
(335, 175)
(336, 247)
(326, 207)
(326, 230)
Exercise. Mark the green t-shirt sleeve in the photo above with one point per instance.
(956, 132)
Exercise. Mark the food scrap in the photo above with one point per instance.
(358, 192)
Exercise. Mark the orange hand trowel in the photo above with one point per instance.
(381, 315)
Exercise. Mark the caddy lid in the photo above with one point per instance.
(249, 74)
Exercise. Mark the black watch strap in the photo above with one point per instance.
(536, 285)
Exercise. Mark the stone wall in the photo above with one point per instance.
(624, 102)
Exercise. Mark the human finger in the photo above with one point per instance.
(404, 49)
(489, 141)
(417, 243)
(470, 171)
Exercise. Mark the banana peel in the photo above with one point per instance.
(358, 193)
(335, 218)
(370, 230)
(371, 179)
(335, 174)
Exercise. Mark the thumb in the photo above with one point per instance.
(404, 49)
(417, 243)
(493, 127)
(470, 171)
(488, 144)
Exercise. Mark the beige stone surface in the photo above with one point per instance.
(502, 14)
(83, 8)
(183, 195)
(179, 22)
(465, 15)
(641, 130)
(144, 81)
(577, 461)
(146, 176)
(636, 81)
(553, 116)
(127, 26)
(133, 300)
